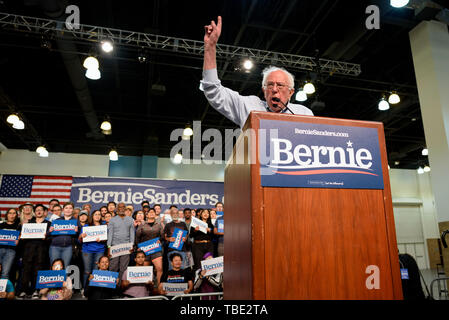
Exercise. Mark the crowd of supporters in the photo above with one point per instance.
(19, 264)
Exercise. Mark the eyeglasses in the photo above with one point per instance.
(280, 85)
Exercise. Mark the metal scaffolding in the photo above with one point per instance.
(58, 29)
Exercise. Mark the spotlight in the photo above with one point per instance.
(91, 63)
(177, 159)
(40, 149)
(19, 125)
(142, 56)
(248, 65)
(188, 131)
(426, 169)
(106, 126)
(398, 3)
(425, 152)
(43, 153)
(93, 74)
(420, 170)
(107, 46)
(383, 105)
(396, 163)
(394, 98)
(309, 88)
(13, 118)
(301, 95)
(113, 155)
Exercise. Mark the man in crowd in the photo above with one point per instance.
(168, 235)
(88, 208)
(51, 204)
(120, 230)
(157, 208)
(76, 212)
(277, 86)
(55, 213)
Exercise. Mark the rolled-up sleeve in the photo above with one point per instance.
(226, 101)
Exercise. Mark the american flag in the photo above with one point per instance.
(18, 189)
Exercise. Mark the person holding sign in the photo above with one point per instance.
(61, 246)
(91, 251)
(8, 251)
(168, 233)
(35, 255)
(202, 242)
(207, 284)
(150, 230)
(98, 293)
(219, 232)
(137, 290)
(62, 293)
(176, 275)
(120, 230)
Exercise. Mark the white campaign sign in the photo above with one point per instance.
(3, 283)
(174, 289)
(139, 274)
(120, 250)
(197, 222)
(212, 266)
(33, 231)
(94, 232)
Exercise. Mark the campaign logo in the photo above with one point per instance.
(8, 237)
(106, 279)
(61, 227)
(150, 246)
(50, 279)
(178, 234)
(310, 155)
(212, 266)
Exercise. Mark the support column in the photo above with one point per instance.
(430, 49)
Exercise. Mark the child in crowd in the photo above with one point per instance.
(62, 293)
(137, 290)
(98, 293)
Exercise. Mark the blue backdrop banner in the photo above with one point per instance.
(183, 194)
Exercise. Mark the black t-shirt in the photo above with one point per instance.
(180, 276)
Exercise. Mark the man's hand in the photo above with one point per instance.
(212, 32)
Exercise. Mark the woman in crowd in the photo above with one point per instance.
(202, 242)
(213, 216)
(62, 293)
(207, 284)
(147, 231)
(139, 218)
(26, 213)
(136, 290)
(61, 246)
(91, 251)
(176, 275)
(83, 219)
(103, 211)
(97, 293)
(8, 253)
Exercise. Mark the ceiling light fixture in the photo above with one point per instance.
(383, 104)
(301, 95)
(309, 88)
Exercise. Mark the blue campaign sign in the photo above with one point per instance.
(150, 246)
(9, 237)
(178, 234)
(220, 225)
(182, 193)
(308, 155)
(106, 279)
(220, 213)
(63, 227)
(50, 279)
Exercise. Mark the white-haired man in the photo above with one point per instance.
(277, 86)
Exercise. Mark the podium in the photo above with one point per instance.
(330, 239)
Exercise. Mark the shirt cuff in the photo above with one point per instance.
(210, 76)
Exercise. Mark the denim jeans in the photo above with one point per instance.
(6, 259)
(64, 253)
(89, 261)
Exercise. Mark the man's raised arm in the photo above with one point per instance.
(211, 34)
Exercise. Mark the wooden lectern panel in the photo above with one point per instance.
(306, 243)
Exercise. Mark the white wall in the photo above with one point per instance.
(413, 203)
(13, 161)
(167, 170)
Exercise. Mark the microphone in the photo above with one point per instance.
(279, 100)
